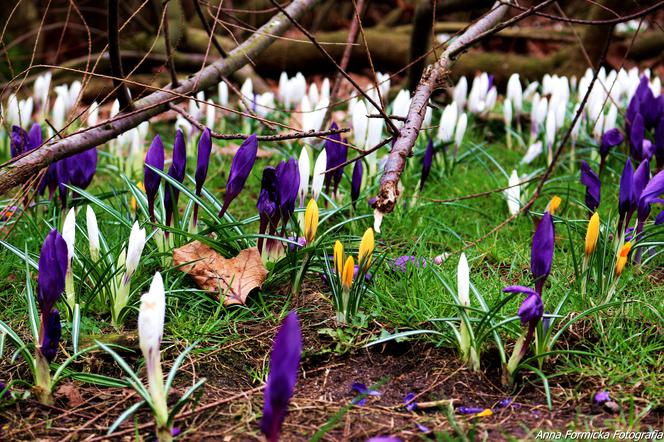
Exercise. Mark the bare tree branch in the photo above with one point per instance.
(156, 103)
(121, 89)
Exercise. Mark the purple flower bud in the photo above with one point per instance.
(288, 179)
(284, 363)
(531, 309)
(356, 182)
(204, 151)
(627, 199)
(53, 264)
(18, 143)
(659, 143)
(82, 168)
(336, 155)
(151, 179)
(470, 410)
(610, 138)
(650, 194)
(593, 187)
(268, 204)
(176, 171)
(641, 178)
(35, 136)
(426, 163)
(636, 135)
(362, 393)
(402, 263)
(601, 397)
(648, 105)
(408, 401)
(50, 336)
(541, 255)
(632, 109)
(241, 166)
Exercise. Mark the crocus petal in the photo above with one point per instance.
(241, 166)
(601, 397)
(519, 289)
(653, 189)
(151, 179)
(356, 181)
(463, 280)
(426, 162)
(627, 198)
(531, 309)
(319, 174)
(304, 167)
(593, 186)
(284, 363)
(513, 194)
(52, 331)
(541, 255)
(53, 264)
(610, 139)
(151, 317)
(176, 171)
(636, 135)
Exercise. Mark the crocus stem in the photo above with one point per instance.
(584, 276)
(69, 287)
(120, 301)
(295, 291)
(158, 395)
(42, 379)
(509, 137)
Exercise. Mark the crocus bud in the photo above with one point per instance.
(553, 204)
(463, 281)
(627, 199)
(347, 274)
(151, 180)
(366, 249)
(284, 363)
(93, 233)
(592, 234)
(204, 150)
(541, 255)
(460, 130)
(304, 167)
(319, 174)
(69, 232)
(311, 221)
(515, 93)
(531, 309)
(222, 90)
(176, 171)
(507, 112)
(339, 257)
(150, 330)
(18, 142)
(636, 136)
(53, 264)
(426, 162)
(288, 179)
(448, 121)
(356, 181)
(241, 166)
(134, 250)
(513, 194)
(593, 186)
(622, 257)
(360, 123)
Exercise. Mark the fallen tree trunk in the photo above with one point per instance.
(21, 168)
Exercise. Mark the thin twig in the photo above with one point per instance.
(206, 25)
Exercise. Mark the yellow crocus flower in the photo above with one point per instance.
(592, 234)
(339, 257)
(366, 248)
(311, 221)
(622, 257)
(554, 204)
(132, 201)
(347, 275)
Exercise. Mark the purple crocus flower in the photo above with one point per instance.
(648, 105)
(18, 143)
(470, 410)
(241, 166)
(53, 264)
(35, 136)
(356, 181)
(151, 179)
(426, 162)
(362, 392)
(336, 155)
(627, 199)
(268, 205)
(49, 180)
(284, 363)
(204, 151)
(649, 195)
(81, 168)
(636, 135)
(288, 179)
(50, 335)
(408, 401)
(541, 255)
(659, 144)
(593, 187)
(610, 138)
(402, 263)
(659, 219)
(384, 439)
(601, 397)
(531, 309)
(176, 171)
(641, 178)
(633, 108)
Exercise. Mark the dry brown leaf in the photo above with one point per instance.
(231, 278)
(71, 392)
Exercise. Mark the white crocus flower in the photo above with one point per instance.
(184, 125)
(74, 92)
(314, 96)
(598, 128)
(134, 250)
(222, 91)
(325, 90)
(463, 281)
(515, 94)
(93, 114)
(374, 136)
(151, 316)
(533, 152)
(507, 112)
(460, 93)
(383, 81)
(360, 122)
(304, 167)
(400, 106)
(247, 91)
(448, 121)
(69, 235)
(194, 110)
(93, 233)
(610, 119)
(283, 87)
(530, 90)
(550, 129)
(513, 194)
(460, 130)
(115, 109)
(12, 111)
(210, 112)
(319, 174)
(428, 114)
(490, 100)
(41, 91)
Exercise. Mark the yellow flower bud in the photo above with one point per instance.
(311, 221)
(366, 248)
(554, 204)
(592, 234)
(132, 201)
(347, 276)
(622, 257)
(339, 257)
